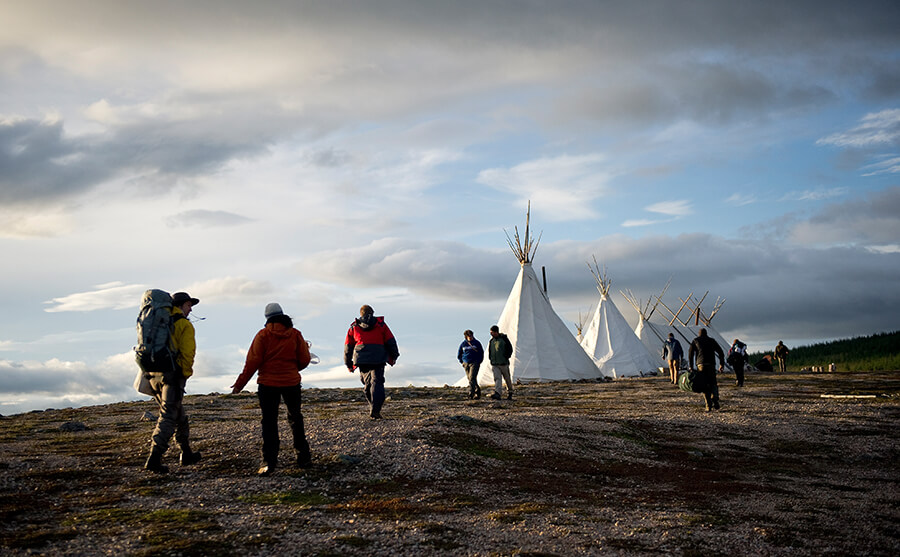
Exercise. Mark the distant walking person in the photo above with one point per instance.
(470, 355)
(500, 349)
(781, 354)
(673, 354)
(705, 350)
(168, 389)
(370, 345)
(737, 357)
(279, 352)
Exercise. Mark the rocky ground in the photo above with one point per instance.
(628, 467)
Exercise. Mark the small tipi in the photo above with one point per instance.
(609, 340)
(544, 349)
(652, 335)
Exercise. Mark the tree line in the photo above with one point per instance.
(878, 352)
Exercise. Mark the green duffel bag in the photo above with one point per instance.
(691, 381)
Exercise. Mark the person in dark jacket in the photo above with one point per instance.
(500, 349)
(279, 352)
(673, 353)
(470, 355)
(737, 358)
(781, 354)
(370, 345)
(705, 350)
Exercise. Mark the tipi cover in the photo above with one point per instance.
(614, 347)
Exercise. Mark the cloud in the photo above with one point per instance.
(435, 268)
(239, 290)
(113, 295)
(815, 195)
(116, 295)
(740, 199)
(205, 219)
(873, 221)
(876, 129)
(60, 383)
(561, 188)
(889, 164)
(39, 162)
(632, 223)
(679, 208)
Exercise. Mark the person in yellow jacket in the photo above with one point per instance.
(168, 389)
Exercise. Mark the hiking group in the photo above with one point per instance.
(165, 355)
(278, 353)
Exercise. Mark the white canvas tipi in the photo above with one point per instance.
(652, 335)
(611, 343)
(544, 349)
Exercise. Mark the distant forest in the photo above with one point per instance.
(877, 352)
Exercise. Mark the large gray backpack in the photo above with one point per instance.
(153, 352)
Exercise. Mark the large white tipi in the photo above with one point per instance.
(544, 349)
(609, 340)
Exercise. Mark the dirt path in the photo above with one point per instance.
(630, 467)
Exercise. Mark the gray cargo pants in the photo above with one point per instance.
(169, 394)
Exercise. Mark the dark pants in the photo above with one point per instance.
(373, 378)
(711, 384)
(739, 374)
(169, 394)
(269, 401)
(472, 376)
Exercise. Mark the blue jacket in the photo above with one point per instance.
(672, 350)
(470, 352)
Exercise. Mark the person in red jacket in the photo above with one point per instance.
(279, 352)
(369, 345)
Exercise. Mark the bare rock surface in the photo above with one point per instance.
(631, 467)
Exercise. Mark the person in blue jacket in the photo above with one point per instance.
(673, 353)
(470, 355)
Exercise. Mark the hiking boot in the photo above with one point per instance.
(154, 463)
(509, 396)
(709, 408)
(716, 404)
(495, 396)
(376, 416)
(304, 462)
(189, 457)
(265, 470)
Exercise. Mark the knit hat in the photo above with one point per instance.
(272, 310)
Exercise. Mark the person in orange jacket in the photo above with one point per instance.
(279, 352)
(369, 345)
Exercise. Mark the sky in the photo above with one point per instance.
(324, 155)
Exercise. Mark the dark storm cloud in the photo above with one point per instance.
(38, 162)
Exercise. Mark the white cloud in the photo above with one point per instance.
(113, 295)
(631, 223)
(815, 195)
(675, 208)
(740, 199)
(241, 290)
(889, 164)
(560, 188)
(875, 130)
